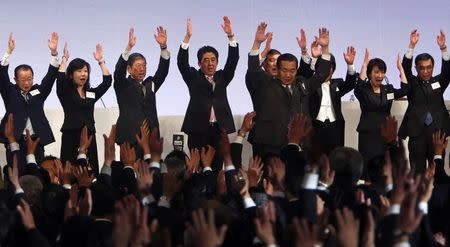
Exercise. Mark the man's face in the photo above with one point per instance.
(24, 80)
(208, 64)
(425, 69)
(287, 72)
(138, 69)
(270, 64)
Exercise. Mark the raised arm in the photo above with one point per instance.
(183, 54)
(61, 83)
(444, 77)
(163, 66)
(304, 68)
(120, 72)
(101, 89)
(254, 56)
(233, 51)
(404, 86)
(49, 79)
(407, 59)
(363, 72)
(324, 67)
(4, 65)
(350, 78)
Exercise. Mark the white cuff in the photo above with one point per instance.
(148, 199)
(14, 146)
(402, 244)
(81, 156)
(437, 157)
(5, 59)
(31, 159)
(388, 187)
(310, 181)
(306, 58)
(207, 169)
(232, 42)
(326, 57)
(106, 170)
(67, 186)
(19, 191)
(165, 54)
(164, 202)
(248, 202)
(394, 209)
(445, 55)
(254, 53)
(155, 164)
(313, 63)
(126, 54)
(351, 69)
(54, 61)
(229, 168)
(239, 139)
(409, 53)
(423, 206)
(184, 46)
(147, 156)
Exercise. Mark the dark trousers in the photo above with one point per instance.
(262, 150)
(211, 137)
(22, 153)
(329, 135)
(370, 145)
(70, 142)
(421, 149)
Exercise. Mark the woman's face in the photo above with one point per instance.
(377, 76)
(80, 76)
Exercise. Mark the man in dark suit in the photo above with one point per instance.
(208, 112)
(136, 95)
(325, 102)
(426, 111)
(278, 99)
(25, 101)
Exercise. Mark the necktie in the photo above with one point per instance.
(212, 115)
(288, 91)
(144, 90)
(428, 119)
(25, 96)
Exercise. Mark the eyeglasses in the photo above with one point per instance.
(423, 68)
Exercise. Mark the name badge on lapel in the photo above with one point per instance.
(35, 92)
(90, 95)
(337, 89)
(390, 96)
(153, 86)
(435, 85)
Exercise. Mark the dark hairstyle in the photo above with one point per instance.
(133, 57)
(23, 67)
(273, 52)
(375, 169)
(178, 166)
(206, 49)
(75, 65)
(348, 164)
(423, 57)
(179, 154)
(287, 57)
(376, 62)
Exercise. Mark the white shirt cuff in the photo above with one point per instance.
(14, 146)
(445, 55)
(67, 186)
(351, 69)
(402, 244)
(126, 54)
(229, 168)
(5, 59)
(313, 63)
(54, 61)
(388, 187)
(310, 181)
(148, 199)
(147, 156)
(81, 156)
(306, 58)
(155, 164)
(437, 157)
(106, 170)
(31, 158)
(248, 202)
(207, 169)
(163, 202)
(19, 191)
(184, 46)
(326, 57)
(409, 53)
(423, 206)
(232, 42)
(394, 209)
(239, 139)
(254, 53)
(165, 54)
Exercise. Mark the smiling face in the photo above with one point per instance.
(138, 69)
(24, 79)
(80, 76)
(208, 63)
(270, 64)
(376, 76)
(424, 69)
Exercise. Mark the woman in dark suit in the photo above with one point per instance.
(375, 100)
(78, 99)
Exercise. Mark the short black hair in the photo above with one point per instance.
(273, 52)
(287, 57)
(206, 49)
(332, 61)
(133, 57)
(348, 164)
(376, 62)
(423, 57)
(75, 65)
(24, 67)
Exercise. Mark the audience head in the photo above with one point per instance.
(137, 66)
(287, 65)
(348, 165)
(23, 75)
(333, 66)
(32, 187)
(52, 165)
(78, 71)
(424, 66)
(376, 71)
(208, 58)
(270, 63)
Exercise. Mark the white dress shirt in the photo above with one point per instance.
(326, 107)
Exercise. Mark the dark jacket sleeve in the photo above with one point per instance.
(231, 64)
(47, 83)
(120, 73)
(161, 72)
(101, 89)
(347, 85)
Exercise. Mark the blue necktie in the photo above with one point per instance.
(428, 119)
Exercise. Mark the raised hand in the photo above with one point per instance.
(110, 146)
(302, 41)
(143, 140)
(207, 156)
(268, 45)
(188, 29)
(326, 172)
(156, 145)
(144, 178)
(85, 140)
(9, 129)
(315, 49)
(401, 70)
(349, 56)
(83, 177)
(161, 37)
(13, 173)
(11, 44)
(348, 227)
(66, 52)
(248, 123)
(26, 215)
(255, 170)
(369, 230)
(131, 39)
(413, 38)
(53, 43)
(441, 40)
(85, 203)
(440, 142)
(389, 129)
(31, 145)
(297, 128)
(193, 163)
(261, 35)
(264, 224)
(226, 26)
(324, 37)
(65, 173)
(363, 72)
(127, 154)
(98, 54)
(204, 231)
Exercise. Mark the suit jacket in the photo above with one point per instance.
(203, 96)
(376, 107)
(274, 107)
(16, 104)
(134, 107)
(425, 97)
(79, 112)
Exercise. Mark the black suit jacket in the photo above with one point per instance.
(274, 107)
(422, 98)
(16, 104)
(134, 107)
(202, 95)
(79, 112)
(376, 107)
